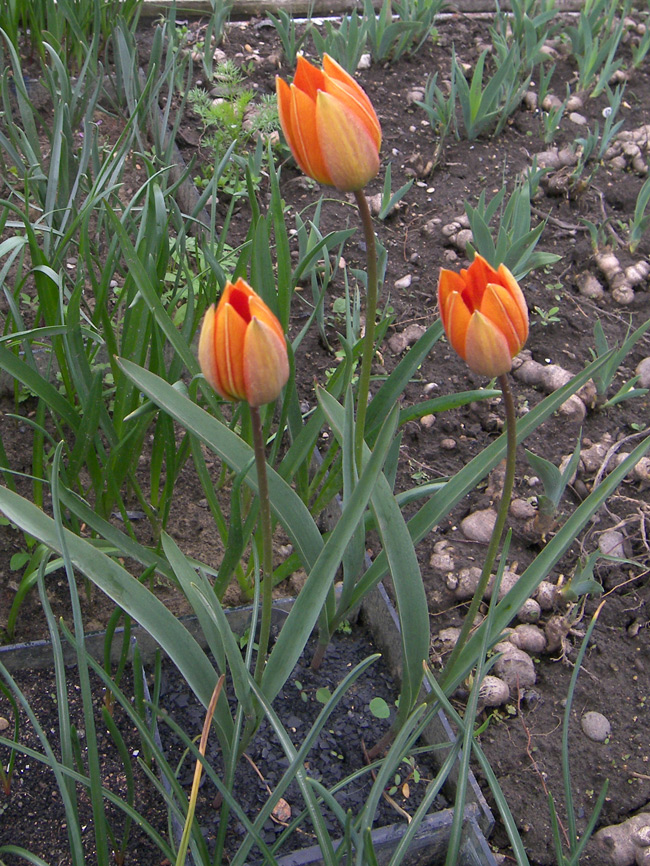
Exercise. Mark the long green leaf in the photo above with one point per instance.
(129, 594)
(542, 565)
(404, 568)
(307, 606)
(440, 504)
(288, 507)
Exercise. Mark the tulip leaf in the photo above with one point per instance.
(404, 569)
(288, 507)
(306, 608)
(129, 594)
(541, 566)
(441, 503)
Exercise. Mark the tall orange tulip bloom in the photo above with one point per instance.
(242, 349)
(484, 315)
(330, 125)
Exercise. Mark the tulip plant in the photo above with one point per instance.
(269, 448)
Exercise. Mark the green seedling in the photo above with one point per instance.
(345, 44)
(547, 317)
(640, 222)
(554, 482)
(390, 200)
(605, 374)
(515, 239)
(285, 27)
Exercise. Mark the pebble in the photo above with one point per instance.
(427, 421)
(596, 727)
(4, 723)
(364, 61)
(478, 526)
(612, 543)
(404, 282)
(545, 595)
(522, 509)
(411, 334)
(515, 666)
(529, 638)
(643, 372)
(442, 562)
(448, 444)
(493, 691)
(530, 611)
(578, 119)
(466, 582)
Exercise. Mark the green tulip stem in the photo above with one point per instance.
(267, 543)
(497, 532)
(371, 315)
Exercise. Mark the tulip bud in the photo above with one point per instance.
(242, 349)
(330, 125)
(484, 315)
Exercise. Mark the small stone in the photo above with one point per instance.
(4, 723)
(427, 421)
(529, 638)
(478, 526)
(467, 582)
(530, 611)
(448, 638)
(596, 727)
(415, 95)
(404, 282)
(365, 61)
(515, 666)
(578, 119)
(574, 103)
(398, 343)
(522, 509)
(493, 691)
(448, 444)
(442, 562)
(573, 409)
(551, 101)
(612, 543)
(590, 286)
(545, 595)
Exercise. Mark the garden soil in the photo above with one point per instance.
(522, 739)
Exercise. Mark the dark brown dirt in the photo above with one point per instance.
(523, 739)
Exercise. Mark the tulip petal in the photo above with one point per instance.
(229, 342)
(335, 73)
(308, 78)
(504, 313)
(507, 280)
(486, 349)
(476, 277)
(266, 366)
(349, 151)
(456, 319)
(260, 311)
(206, 353)
(448, 282)
(305, 145)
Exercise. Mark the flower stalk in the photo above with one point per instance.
(497, 532)
(266, 531)
(371, 316)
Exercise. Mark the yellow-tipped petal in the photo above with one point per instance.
(502, 310)
(349, 153)
(266, 366)
(486, 349)
(206, 353)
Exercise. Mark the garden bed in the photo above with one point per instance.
(523, 737)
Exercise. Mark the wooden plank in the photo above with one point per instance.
(243, 9)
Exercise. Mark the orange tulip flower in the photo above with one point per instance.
(330, 125)
(484, 315)
(242, 349)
